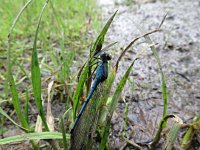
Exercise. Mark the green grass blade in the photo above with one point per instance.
(9, 45)
(173, 134)
(62, 126)
(119, 88)
(186, 141)
(161, 127)
(113, 106)
(17, 17)
(125, 120)
(23, 70)
(26, 107)
(33, 136)
(110, 80)
(79, 90)
(100, 39)
(35, 72)
(164, 87)
(4, 114)
(16, 102)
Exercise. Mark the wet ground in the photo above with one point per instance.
(179, 51)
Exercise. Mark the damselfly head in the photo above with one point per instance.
(105, 57)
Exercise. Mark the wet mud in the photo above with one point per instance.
(179, 52)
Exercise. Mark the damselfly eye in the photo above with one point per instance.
(105, 57)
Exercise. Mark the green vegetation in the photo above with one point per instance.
(63, 34)
(54, 33)
(44, 40)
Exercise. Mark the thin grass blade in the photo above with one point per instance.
(17, 17)
(9, 46)
(79, 90)
(16, 102)
(125, 120)
(8, 117)
(164, 87)
(110, 81)
(26, 107)
(100, 39)
(62, 126)
(161, 127)
(35, 72)
(33, 136)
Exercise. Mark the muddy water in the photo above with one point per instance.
(179, 51)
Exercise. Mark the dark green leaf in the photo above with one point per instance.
(100, 39)
(36, 75)
(16, 102)
(79, 90)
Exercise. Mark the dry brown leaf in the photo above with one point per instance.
(49, 116)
